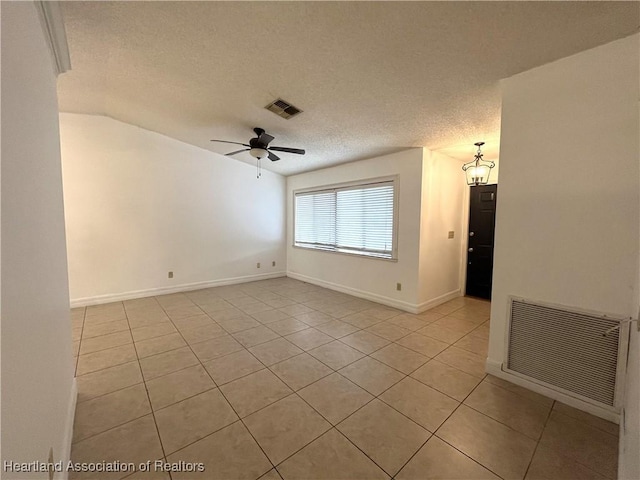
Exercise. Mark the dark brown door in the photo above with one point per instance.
(482, 221)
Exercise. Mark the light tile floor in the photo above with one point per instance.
(282, 379)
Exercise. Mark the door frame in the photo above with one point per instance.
(464, 244)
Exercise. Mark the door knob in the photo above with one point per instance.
(471, 234)
(471, 250)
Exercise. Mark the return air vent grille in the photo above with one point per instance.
(283, 109)
(565, 349)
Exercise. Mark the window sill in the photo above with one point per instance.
(349, 254)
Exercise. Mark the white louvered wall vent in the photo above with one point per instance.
(565, 349)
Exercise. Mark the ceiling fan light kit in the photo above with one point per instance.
(258, 153)
(478, 169)
(258, 148)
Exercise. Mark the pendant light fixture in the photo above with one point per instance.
(478, 170)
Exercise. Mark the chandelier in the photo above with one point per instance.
(478, 170)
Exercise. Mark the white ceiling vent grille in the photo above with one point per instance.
(283, 109)
(565, 349)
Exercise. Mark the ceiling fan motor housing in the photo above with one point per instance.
(256, 143)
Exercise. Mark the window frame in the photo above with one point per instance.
(351, 185)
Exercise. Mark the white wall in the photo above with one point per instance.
(139, 204)
(37, 376)
(629, 459)
(444, 198)
(567, 216)
(431, 197)
(373, 278)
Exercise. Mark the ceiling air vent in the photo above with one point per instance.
(283, 109)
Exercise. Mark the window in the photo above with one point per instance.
(357, 219)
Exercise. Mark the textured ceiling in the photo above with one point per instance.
(371, 77)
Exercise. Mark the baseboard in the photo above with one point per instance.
(185, 287)
(495, 368)
(374, 297)
(65, 455)
(424, 306)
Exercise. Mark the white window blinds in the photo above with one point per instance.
(356, 219)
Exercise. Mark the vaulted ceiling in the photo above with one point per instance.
(370, 77)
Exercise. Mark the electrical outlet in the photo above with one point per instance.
(258, 265)
(170, 274)
(273, 264)
(398, 286)
(451, 233)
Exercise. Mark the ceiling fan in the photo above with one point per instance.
(259, 148)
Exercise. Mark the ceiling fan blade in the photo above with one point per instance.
(235, 143)
(265, 138)
(237, 151)
(299, 151)
(273, 157)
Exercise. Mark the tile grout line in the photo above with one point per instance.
(535, 449)
(334, 426)
(575, 419)
(110, 347)
(222, 393)
(187, 344)
(293, 392)
(112, 427)
(268, 367)
(306, 351)
(374, 397)
(123, 344)
(226, 400)
(414, 454)
(265, 367)
(155, 423)
(84, 315)
(453, 446)
(137, 359)
(112, 391)
(499, 421)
